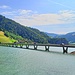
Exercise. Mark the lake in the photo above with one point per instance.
(17, 61)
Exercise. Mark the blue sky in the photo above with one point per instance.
(53, 16)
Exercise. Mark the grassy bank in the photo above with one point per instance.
(4, 39)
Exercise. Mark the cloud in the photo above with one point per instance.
(38, 19)
(62, 17)
(29, 17)
(7, 13)
(68, 16)
(19, 12)
(4, 7)
(24, 12)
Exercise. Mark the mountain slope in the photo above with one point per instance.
(51, 34)
(25, 32)
(69, 36)
(16, 31)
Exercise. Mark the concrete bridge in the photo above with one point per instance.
(35, 46)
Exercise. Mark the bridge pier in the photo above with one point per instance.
(12, 45)
(27, 46)
(65, 50)
(21, 46)
(6, 45)
(16, 45)
(35, 47)
(46, 48)
(9, 46)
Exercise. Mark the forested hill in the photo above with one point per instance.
(15, 30)
(8, 25)
(69, 36)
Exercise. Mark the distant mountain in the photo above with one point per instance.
(16, 31)
(51, 34)
(69, 36)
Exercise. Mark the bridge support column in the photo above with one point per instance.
(46, 48)
(65, 50)
(27, 46)
(35, 47)
(6, 45)
(9, 45)
(16, 45)
(12, 45)
(21, 46)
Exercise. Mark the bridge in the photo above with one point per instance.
(35, 46)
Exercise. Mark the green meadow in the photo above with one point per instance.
(4, 39)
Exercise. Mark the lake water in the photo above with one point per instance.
(17, 61)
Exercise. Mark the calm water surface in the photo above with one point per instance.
(17, 61)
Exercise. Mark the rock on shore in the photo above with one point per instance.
(73, 53)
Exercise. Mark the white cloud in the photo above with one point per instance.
(39, 19)
(24, 12)
(19, 12)
(7, 13)
(29, 17)
(62, 17)
(4, 7)
(68, 16)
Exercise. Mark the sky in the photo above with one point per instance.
(52, 16)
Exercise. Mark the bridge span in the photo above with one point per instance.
(35, 46)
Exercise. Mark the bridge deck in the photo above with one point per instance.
(65, 47)
(54, 45)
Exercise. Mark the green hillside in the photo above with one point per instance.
(16, 31)
(8, 25)
(4, 39)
